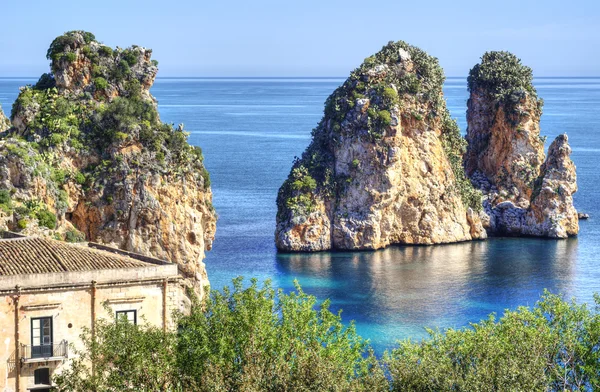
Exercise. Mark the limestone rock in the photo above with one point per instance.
(505, 153)
(552, 213)
(384, 166)
(92, 160)
(4, 122)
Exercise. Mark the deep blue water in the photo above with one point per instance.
(250, 131)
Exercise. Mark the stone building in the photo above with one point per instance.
(50, 290)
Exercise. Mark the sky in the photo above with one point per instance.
(306, 37)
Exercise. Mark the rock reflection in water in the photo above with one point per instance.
(396, 292)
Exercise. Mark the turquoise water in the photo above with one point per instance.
(250, 131)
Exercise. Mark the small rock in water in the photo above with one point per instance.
(583, 216)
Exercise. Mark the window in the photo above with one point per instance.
(41, 376)
(129, 315)
(41, 337)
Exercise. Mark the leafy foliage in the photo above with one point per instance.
(126, 358)
(74, 235)
(502, 76)
(553, 347)
(260, 339)
(5, 201)
(45, 82)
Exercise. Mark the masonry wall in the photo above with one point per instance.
(71, 312)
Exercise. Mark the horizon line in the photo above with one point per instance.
(306, 77)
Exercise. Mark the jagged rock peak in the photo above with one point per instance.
(505, 153)
(384, 165)
(552, 213)
(87, 158)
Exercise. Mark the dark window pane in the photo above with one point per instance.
(41, 376)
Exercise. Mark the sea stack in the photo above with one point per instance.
(384, 165)
(87, 158)
(523, 195)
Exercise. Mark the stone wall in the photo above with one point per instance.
(71, 310)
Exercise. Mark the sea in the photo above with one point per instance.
(250, 130)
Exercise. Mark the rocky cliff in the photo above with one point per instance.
(523, 195)
(87, 158)
(4, 122)
(384, 165)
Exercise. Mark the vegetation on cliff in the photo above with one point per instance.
(394, 94)
(4, 123)
(87, 156)
(259, 339)
(505, 155)
(502, 76)
(423, 84)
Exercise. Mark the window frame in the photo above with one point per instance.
(120, 313)
(41, 337)
(37, 376)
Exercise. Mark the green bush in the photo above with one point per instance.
(206, 175)
(4, 196)
(130, 57)
(5, 201)
(45, 82)
(22, 223)
(105, 51)
(390, 96)
(501, 74)
(46, 219)
(385, 118)
(100, 83)
(553, 347)
(260, 339)
(79, 178)
(126, 357)
(70, 57)
(74, 236)
(57, 47)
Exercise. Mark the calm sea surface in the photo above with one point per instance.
(250, 131)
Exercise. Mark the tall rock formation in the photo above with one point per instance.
(4, 122)
(505, 154)
(384, 165)
(87, 158)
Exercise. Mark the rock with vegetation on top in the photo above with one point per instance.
(505, 154)
(384, 165)
(87, 158)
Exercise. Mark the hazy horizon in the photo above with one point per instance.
(267, 38)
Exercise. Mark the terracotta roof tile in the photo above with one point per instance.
(31, 255)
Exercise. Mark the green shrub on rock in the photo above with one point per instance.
(74, 235)
(105, 51)
(46, 219)
(100, 83)
(502, 75)
(5, 201)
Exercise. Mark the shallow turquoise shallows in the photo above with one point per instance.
(250, 131)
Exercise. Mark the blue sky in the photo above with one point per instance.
(306, 37)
